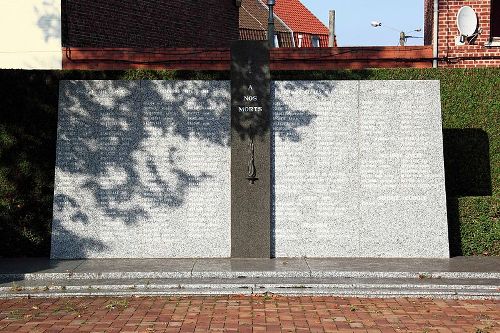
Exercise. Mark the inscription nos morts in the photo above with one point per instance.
(250, 88)
(250, 150)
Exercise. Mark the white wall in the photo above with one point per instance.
(30, 34)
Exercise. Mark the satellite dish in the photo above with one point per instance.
(466, 21)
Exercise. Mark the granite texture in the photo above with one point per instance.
(459, 270)
(142, 170)
(365, 177)
(459, 277)
(250, 267)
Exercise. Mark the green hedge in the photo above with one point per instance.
(471, 118)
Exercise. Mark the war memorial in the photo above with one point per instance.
(250, 168)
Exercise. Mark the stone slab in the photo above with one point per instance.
(315, 168)
(250, 150)
(257, 276)
(402, 202)
(358, 169)
(483, 270)
(37, 265)
(131, 268)
(142, 170)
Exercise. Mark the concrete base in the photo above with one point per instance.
(463, 277)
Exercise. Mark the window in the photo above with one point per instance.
(276, 41)
(300, 37)
(315, 41)
(495, 23)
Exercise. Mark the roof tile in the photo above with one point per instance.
(298, 17)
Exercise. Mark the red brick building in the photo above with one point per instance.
(308, 31)
(196, 35)
(482, 50)
(149, 24)
(296, 26)
(253, 24)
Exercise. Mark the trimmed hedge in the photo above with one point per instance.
(471, 121)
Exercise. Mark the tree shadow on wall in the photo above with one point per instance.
(48, 21)
(467, 172)
(103, 130)
(28, 125)
(124, 142)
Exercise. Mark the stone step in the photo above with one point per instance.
(368, 287)
(225, 268)
(6, 277)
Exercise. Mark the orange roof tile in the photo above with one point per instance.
(298, 17)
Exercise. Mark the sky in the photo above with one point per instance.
(353, 19)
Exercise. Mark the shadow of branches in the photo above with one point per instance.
(28, 125)
(48, 19)
(28, 143)
(127, 144)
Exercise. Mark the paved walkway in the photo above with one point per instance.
(265, 313)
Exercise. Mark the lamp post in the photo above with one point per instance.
(270, 23)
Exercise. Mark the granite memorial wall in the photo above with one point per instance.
(143, 169)
(365, 178)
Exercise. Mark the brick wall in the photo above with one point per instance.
(149, 23)
(474, 55)
(219, 58)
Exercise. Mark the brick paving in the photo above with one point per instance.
(265, 313)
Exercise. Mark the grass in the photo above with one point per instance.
(16, 288)
(471, 119)
(70, 308)
(16, 314)
(117, 304)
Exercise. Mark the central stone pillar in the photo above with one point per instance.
(250, 150)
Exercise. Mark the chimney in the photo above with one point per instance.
(331, 39)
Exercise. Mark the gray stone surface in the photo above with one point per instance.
(402, 203)
(131, 268)
(234, 268)
(359, 169)
(461, 276)
(142, 170)
(315, 168)
(361, 277)
(452, 265)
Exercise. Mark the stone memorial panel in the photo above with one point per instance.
(363, 176)
(142, 170)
